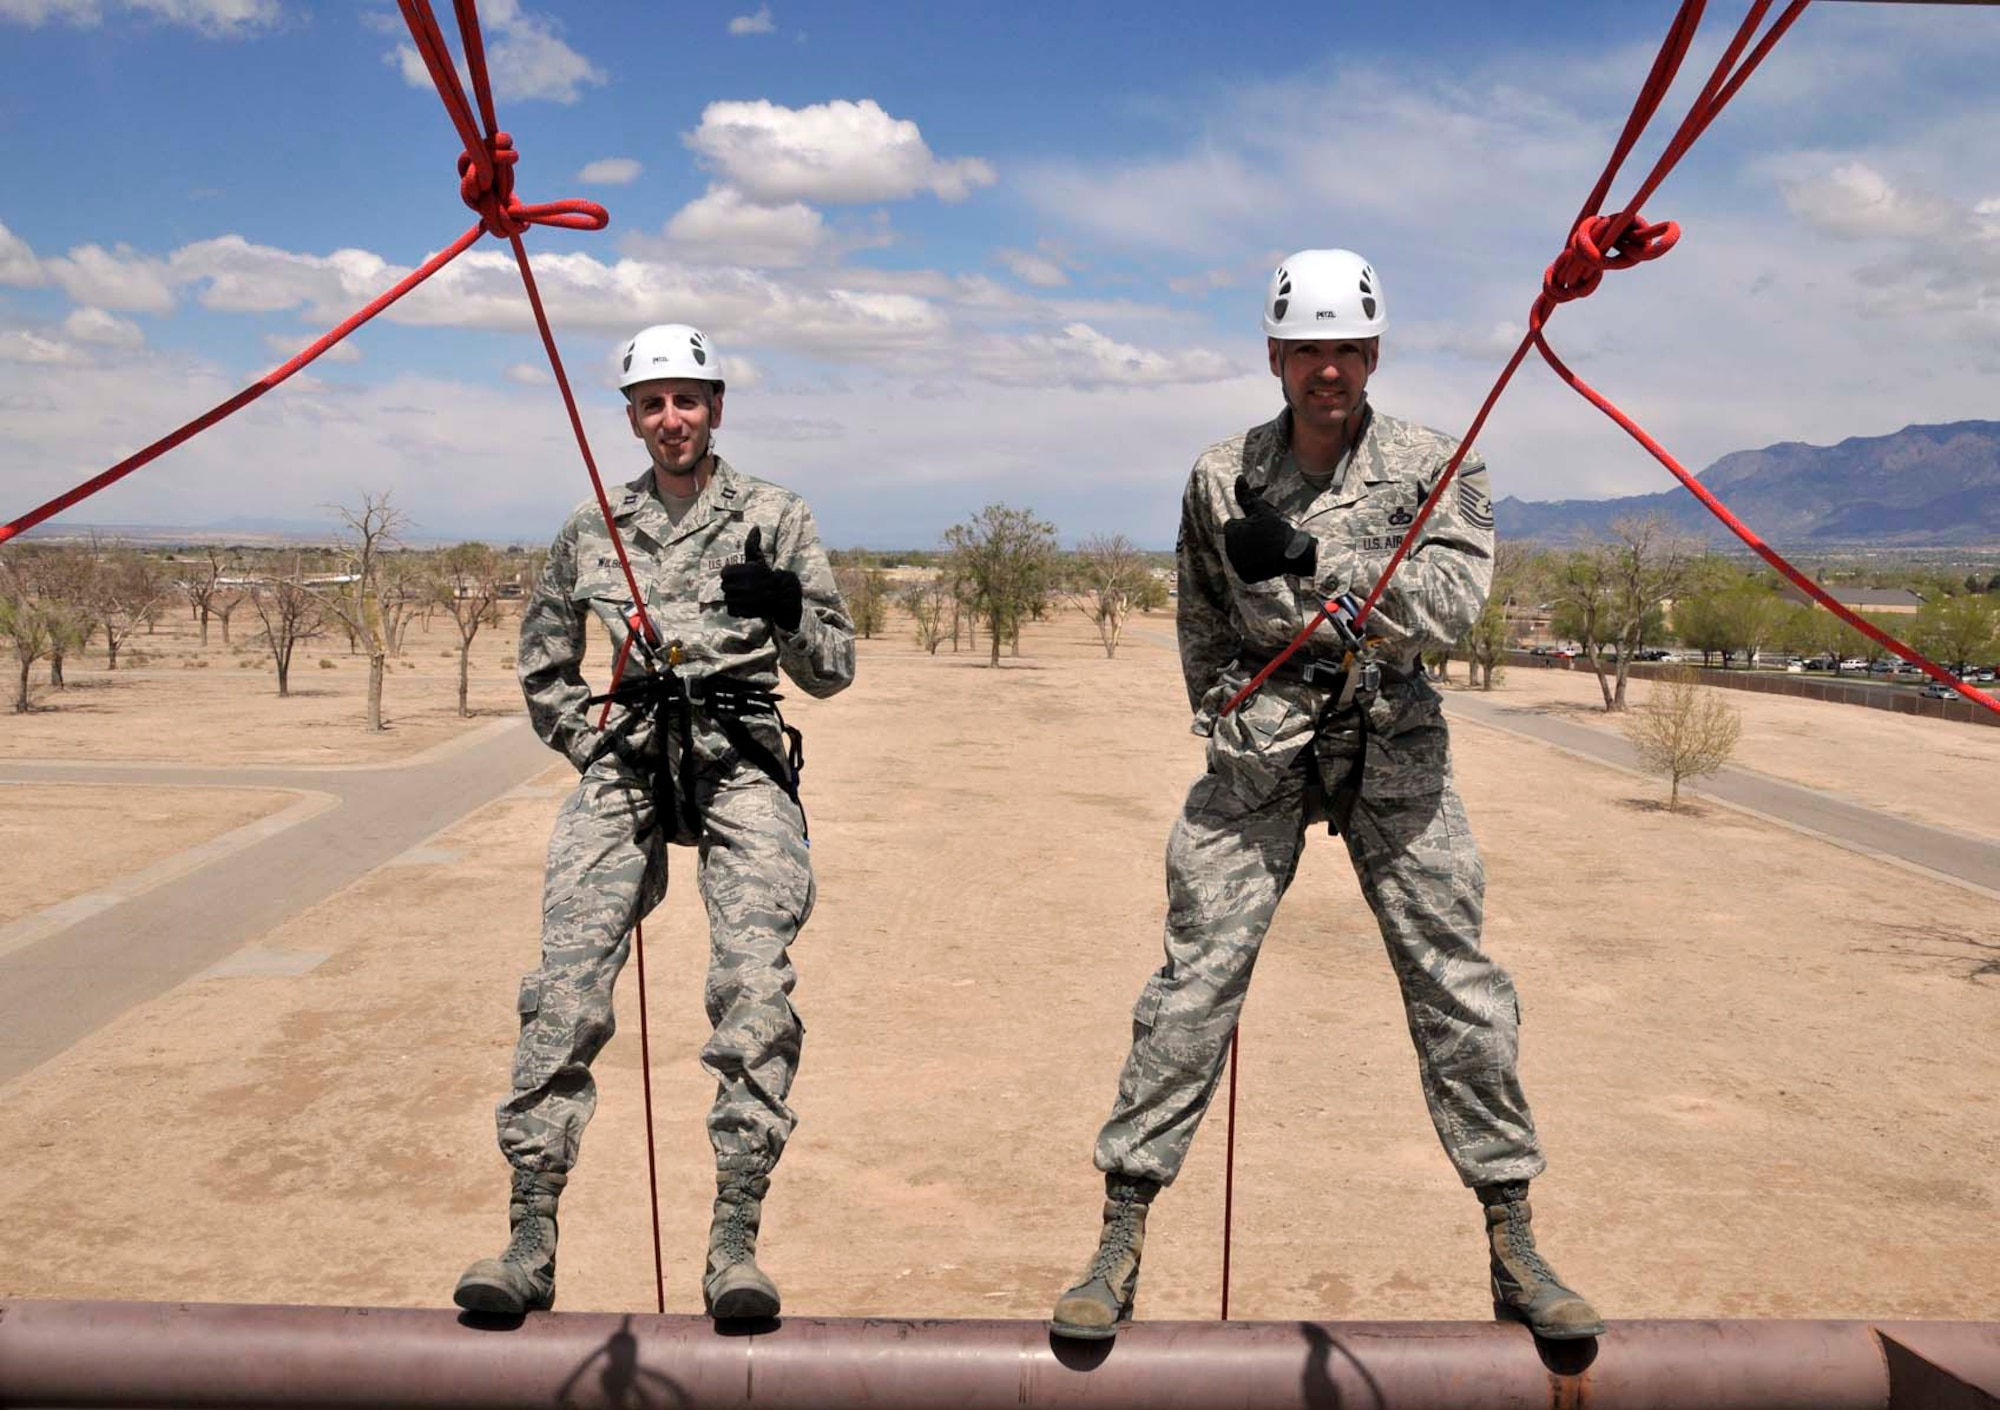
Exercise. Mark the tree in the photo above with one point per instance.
(34, 627)
(1958, 631)
(1684, 730)
(927, 601)
(1610, 594)
(864, 589)
(201, 585)
(291, 613)
(130, 590)
(1005, 559)
(1486, 641)
(65, 585)
(223, 606)
(465, 581)
(1109, 578)
(356, 600)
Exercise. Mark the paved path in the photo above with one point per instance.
(1953, 856)
(70, 970)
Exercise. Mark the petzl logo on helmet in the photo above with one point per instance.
(1283, 301)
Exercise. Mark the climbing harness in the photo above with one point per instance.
(662, 696)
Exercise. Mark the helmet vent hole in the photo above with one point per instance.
(1367, 307)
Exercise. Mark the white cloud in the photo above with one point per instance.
(759, 23)
(240, 277)
(610, 171)
(20, 345)
(18, 265)
(527, 374)
(1080, 356)
(287, 346)
(1038, 270)
(94, 325)
(721, 227)
(115, 279)
(525, 57)
(218, 19)
(1857, 201)
(840, 152)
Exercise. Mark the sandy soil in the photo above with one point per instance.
(191, 704)
(1765, 1069)
(1930, 771)
(61, 840)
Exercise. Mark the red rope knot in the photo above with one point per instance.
(1595, 246)
(488, 187)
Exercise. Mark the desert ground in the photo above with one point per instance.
(1765, 1068)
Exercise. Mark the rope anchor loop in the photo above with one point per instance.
(1600, 243)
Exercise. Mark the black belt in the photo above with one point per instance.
(1318, 671)
(670, 700)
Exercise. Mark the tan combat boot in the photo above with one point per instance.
(735, 1288)
(1525, 1289)
(522, 1279)
(1102, 1297)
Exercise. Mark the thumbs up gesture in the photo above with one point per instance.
(753, 588)
(1263, 543)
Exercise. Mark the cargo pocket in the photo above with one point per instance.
(535, 1058)
(1146, 1012)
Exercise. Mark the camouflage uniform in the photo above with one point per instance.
(1236, 845)
(607, 863)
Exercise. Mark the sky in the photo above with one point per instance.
(953, 254)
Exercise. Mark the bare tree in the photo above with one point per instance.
(200, 583)
(291, 613)
(927, 602)
(1006, 557)
(65, 585)
(406, 589)
(130, 590)
(222, 606)
(1109, 580)
(1684, 730)
(466, 583)
(356, 600)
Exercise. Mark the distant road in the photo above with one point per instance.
(60, 987)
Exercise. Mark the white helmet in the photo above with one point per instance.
(669, 350)
(1325, 294)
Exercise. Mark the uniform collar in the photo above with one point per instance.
(1362, 467)
(640, 505)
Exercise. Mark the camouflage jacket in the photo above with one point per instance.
(1438, 591)
(679, 568)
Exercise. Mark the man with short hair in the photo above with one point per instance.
(1306, 509)
(736, 586)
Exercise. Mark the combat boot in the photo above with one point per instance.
(523, 1279)
(1102, 1298)
(735, 1288)
(1526, 1289)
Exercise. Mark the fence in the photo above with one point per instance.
(1838, 692)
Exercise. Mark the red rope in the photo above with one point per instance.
(645, 1046)
(1622, 241)
(1229, 1167)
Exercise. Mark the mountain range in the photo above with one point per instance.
(1922, 487)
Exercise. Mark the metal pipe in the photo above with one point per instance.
(127, 1354)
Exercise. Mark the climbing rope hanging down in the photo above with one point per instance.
(1599, 243)
(486, 184)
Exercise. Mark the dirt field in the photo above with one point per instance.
(1765, 1068)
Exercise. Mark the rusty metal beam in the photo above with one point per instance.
(113, 1354)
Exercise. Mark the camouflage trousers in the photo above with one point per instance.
(1230, 857)
(607, 868)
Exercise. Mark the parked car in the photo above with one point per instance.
(1881, 668)
(1819, 663)
(1854, 663)
(1983, 677)
(1905, 668)
(1938, 690)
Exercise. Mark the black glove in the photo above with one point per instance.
(1263, 544)
(753, 588)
